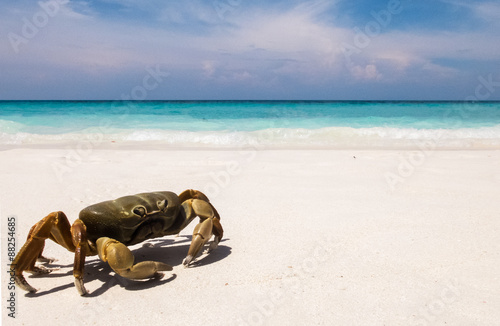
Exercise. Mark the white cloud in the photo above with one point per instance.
(250, 44)
(489, 11)
(368, 72)
(208, 68)
(437, 53)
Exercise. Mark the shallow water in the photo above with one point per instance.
(254, 123)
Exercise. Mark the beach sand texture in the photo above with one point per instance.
(312, 237)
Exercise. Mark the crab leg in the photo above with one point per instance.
(54, 226)
(121, 260)
(192, 194)
(79, 237)
(209, 225)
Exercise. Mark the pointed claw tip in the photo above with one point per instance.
(164, 267)
(41, 270)
(80, 287)
(23, 284)
(47, 260)
(187, 260)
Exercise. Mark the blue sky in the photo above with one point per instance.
(240, 49)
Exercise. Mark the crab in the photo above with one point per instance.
(107, 228)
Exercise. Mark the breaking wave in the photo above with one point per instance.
(330, 137)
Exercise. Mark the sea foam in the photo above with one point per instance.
(331, 137)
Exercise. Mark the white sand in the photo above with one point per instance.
(311, 237)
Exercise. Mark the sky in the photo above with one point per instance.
(250, 50)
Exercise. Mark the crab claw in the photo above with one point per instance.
(121, 260)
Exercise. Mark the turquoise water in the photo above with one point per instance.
(233, 123)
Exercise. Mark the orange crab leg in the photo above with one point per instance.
(209, 225)
(56, 227)
(79, 237)
(217, 231)
(192, 194)
(196, 194)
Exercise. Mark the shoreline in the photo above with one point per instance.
(410, 145)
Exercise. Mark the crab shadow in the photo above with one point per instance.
(156, 249)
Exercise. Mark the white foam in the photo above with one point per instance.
(332, 137)
(10, 126)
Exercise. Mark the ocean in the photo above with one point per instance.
(259, 124)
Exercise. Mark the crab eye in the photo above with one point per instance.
(162, 204)
(140, 211)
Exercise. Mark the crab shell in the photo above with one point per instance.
(133, 219)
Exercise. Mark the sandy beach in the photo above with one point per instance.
(312, 237)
